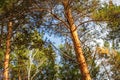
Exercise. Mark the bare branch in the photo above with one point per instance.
(92, 21)
(67, 56)
(106, 70)
(60, 20)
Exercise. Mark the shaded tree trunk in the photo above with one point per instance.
(7, 53)
(1, 35)
(19, 75)
(77, 45)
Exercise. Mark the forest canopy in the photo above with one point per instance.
(59, 40)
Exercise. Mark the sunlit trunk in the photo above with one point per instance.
(7, 52)
(77, 46)
(79, 55)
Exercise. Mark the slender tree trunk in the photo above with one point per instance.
(19, 75)
(1, 36)
(7, 53)
(29, 68)
(113, 43)
(77, 46)
(19, 69)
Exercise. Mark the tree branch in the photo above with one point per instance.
(92, 21)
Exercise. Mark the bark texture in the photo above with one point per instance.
(76, 41)
(7, 53)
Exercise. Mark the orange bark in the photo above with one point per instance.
(7, 53)
(77, 45)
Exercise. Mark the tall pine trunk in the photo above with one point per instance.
(77, 45)
(7, 52)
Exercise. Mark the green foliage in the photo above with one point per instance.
(6, 5)
(90, 58)
(115, 66)
(30, 54)
(69, 68)
(1, 58)
(2, 3)
(106, 44)
(108, 13)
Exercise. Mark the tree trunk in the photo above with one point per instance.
(1, 36)
(7, 53)
(77, 46)
(19, 75)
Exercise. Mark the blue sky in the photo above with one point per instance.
(114, 1)
(57, 41)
